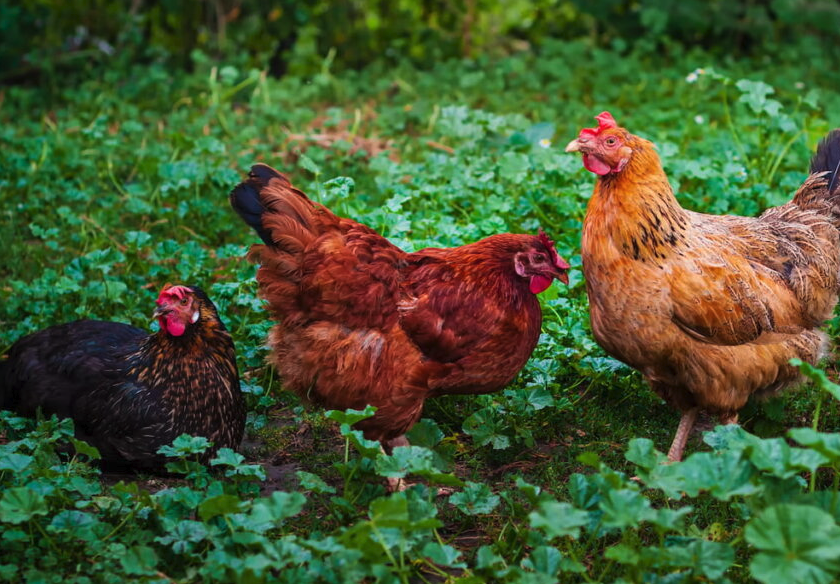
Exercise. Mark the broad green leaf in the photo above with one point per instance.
(390, 512)
(706, 558)
(539, 398)
(671, 519)
(309, 164)
(487, 558)
(475, 499)
(558, 519)
(796, 543)
(625, 508)
(825, 443)
(365, 447)
(139, 560)
(350, 417)
(268, 512)
(227, 457)
(584, 494)
(754, 94)
(8, 572)
(14, 461)
(724, 474)
(314, 483)
(623, 554)
(86, 449)
(20, 504)
(514, 166)
(545, 560)
(394, 511)
(219, 505)
(403, 460)
(443, 555)
(339, 187)
(775, 456)
(485, 427)
(772, 455)
(641, 452)
(711, 558)
(78, 524)
(531, 492)
(425, 433)
(185, 446)
(183, 535)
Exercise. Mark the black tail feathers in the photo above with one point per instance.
(827, 159)
(245, 198)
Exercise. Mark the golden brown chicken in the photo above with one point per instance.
(710, 309)
(360, 321)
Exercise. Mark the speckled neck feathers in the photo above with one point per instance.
(205, 352)
(637, 208)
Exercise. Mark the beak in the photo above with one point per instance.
(161, 311)
(563, 277)
(574, 146)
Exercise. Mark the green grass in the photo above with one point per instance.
(120, 184)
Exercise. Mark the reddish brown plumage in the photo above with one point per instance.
(361, 322)
(709, 308)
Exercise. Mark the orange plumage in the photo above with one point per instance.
(710, 309)
(360, 321)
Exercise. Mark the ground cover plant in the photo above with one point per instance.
(115, 185)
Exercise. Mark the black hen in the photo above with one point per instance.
(129, 392)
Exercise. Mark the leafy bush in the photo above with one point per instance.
(50, 38)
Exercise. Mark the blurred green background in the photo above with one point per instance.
(44, 40)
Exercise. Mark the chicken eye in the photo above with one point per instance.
(184, 301)
(539, 258)
(611, 141)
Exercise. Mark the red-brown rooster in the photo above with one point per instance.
(129, 392)
(710, 309)
(362, 322)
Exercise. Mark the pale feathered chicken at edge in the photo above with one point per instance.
(710, 309)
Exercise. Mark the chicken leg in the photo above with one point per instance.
(681, 437)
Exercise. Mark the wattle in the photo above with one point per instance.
(595, 164)
(174, 326)
(539, 283)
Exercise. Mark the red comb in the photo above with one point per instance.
(605, 122)
(555, 257)
(169, 291)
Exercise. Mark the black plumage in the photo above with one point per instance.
(130, 392)
(245, 200)
(827, 159)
